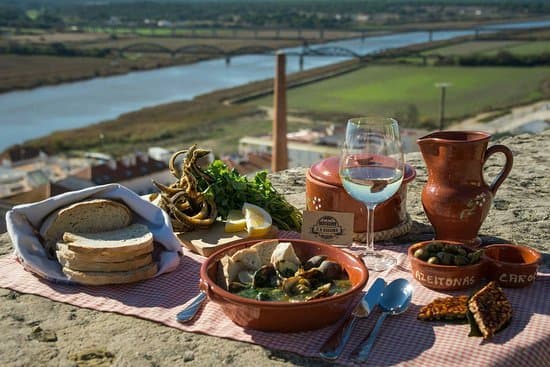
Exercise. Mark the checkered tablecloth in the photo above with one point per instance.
(403, 339)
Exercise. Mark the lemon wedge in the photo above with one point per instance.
(258, 221)
(235, 222)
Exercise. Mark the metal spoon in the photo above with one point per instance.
(395, 299)
(334, 346)
(190, 311)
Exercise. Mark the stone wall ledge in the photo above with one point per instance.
(520, 212)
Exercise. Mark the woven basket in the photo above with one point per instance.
(397, 231)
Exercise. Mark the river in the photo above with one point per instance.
(32, 113)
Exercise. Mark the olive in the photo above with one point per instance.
(262, 296)
(422, 254)
(434, 247)
(475, 256)
(433, 260)
(461, 251)
(461, 260)
(451, 249)
(445, 258)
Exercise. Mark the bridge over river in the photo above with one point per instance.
(31, 113)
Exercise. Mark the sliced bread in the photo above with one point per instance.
(100, 255)
(96, 215)
(128, 239)
(116, 277)
(82, 265)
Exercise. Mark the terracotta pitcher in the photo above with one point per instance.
(456, 198)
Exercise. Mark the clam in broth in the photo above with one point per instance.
(281, 275)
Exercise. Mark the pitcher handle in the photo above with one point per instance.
(499, 148)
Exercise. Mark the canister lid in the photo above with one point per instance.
(327, 171)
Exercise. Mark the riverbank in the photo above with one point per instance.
(219, 119)
(207, 118)
(530, 118)
(175, 123)
(19, 72)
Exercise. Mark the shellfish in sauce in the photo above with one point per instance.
(284, 277)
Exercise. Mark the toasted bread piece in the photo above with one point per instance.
(248, 257)
(96, 215)
(285, 251)
(101, 255)
(128, 239)
(445, 308)
(228, 271)
(265, 250)
(115, 277)
(490, 308)
(127, 265)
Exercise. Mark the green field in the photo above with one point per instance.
(492, 48)
(527, 48)
(393, 90)
(472, 47)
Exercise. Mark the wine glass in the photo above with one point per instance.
(371, 169)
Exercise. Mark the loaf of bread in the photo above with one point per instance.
(96, 215)
(105, 256)
(124, 240)
(92, 265)
(115, 277)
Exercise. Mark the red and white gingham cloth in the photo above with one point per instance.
(403, 340)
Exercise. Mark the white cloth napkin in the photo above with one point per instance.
(23, 223)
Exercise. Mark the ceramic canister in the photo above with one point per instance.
(324, 192)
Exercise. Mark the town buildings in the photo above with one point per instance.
(30, 175)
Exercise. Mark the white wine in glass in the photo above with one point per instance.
(371, 169)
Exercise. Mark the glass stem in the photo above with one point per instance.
(370, 227)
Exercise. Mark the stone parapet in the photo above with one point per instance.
(521, 209)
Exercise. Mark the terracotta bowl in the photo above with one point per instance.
(324, 191)
(285, 316)
(445, 277)
(512, 266)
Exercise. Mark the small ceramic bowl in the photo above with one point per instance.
(286, 316)
(512, 266)
(445, 277)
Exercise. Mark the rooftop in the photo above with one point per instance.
(126, 169)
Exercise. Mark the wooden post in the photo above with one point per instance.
(279, 153)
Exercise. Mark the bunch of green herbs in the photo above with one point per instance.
(230, 190)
